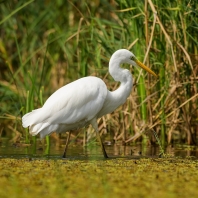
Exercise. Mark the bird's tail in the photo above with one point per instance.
(42, 128)
(32, 118)
(36, 122)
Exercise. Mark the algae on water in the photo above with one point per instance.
(167, 177)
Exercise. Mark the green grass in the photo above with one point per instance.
(44, 46)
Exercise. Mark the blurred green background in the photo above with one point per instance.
(47, 44)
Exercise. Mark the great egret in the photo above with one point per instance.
(83, 101)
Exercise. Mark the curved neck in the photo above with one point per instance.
(122, 75)
(115, 70)
(118, 97)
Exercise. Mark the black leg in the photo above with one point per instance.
(66, 145)
(93, 122)
(102, 145)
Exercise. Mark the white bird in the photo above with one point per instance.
(83, 101)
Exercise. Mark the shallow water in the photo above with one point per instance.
(77, 151)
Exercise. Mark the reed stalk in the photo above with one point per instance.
(44, 48)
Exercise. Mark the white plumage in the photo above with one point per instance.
(70, 107)
(83, 101)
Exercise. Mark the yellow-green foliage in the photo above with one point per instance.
(109, 178)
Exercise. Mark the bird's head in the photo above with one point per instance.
(125, 56)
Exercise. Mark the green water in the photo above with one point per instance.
(78, 151)
(28, 171)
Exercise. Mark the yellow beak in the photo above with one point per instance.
(145, 67)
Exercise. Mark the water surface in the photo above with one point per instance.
(92, 151)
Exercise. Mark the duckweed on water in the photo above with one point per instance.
(115, 178)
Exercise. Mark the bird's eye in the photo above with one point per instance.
(132, 58)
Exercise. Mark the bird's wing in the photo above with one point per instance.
(77, 101)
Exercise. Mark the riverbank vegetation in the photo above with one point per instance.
(45, 45)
